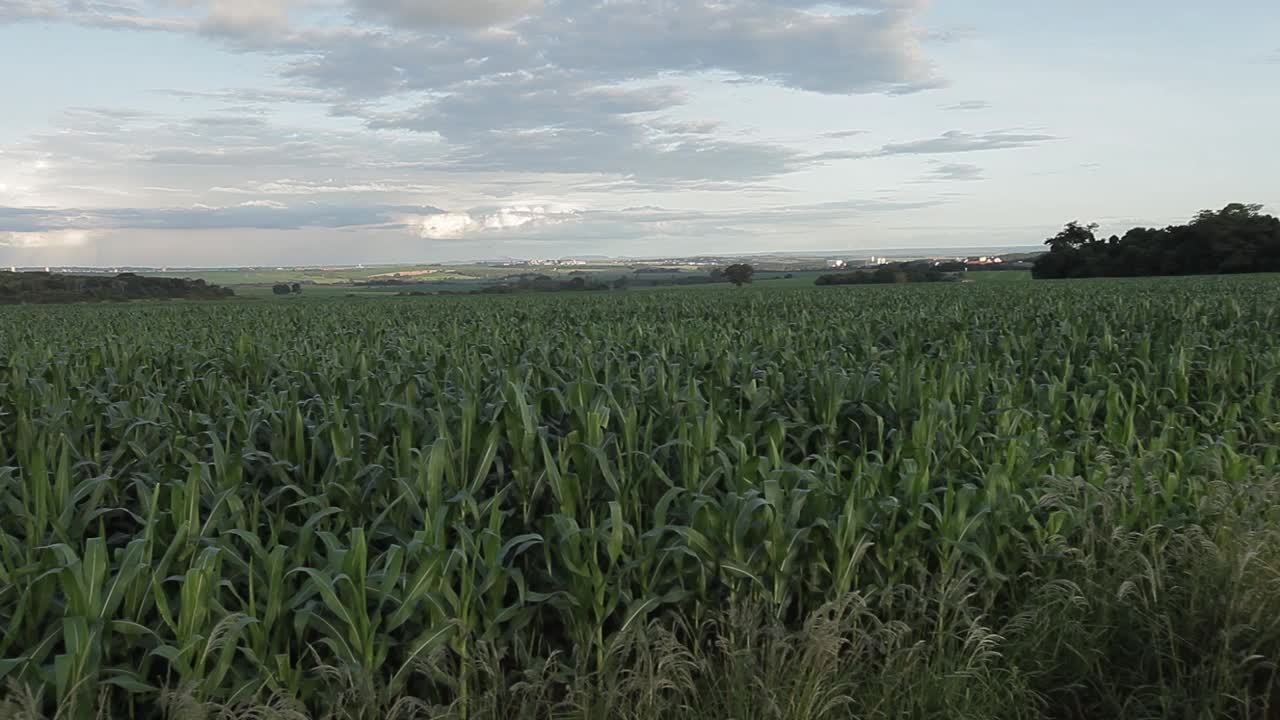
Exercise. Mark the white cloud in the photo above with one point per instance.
(489, 86)
(442, 226)
(245, 16)
(263, 204)
(289, 186)
(48, 239)
(526, 119)
(457, 225)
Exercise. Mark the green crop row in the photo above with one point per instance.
(1049, 500)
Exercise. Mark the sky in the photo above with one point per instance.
(270, 132)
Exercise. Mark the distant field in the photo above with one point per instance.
(998, 276)
(467, 278)
(234, 278)
(434, 279)
(414, 277)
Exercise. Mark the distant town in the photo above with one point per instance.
(793, 260)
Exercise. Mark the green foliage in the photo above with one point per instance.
(545, 283)
(1236, 239)
(41, 287)
(891, 274)
(964, 501)
(739, 274)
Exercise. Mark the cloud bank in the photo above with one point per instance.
(440, 120)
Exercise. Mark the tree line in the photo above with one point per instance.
(544, 283)
(43, 287)
(894, 273)
(1236, 239)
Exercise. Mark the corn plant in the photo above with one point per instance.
(889, 502)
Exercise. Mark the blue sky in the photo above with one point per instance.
(245, 132)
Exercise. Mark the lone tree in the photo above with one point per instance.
(281, 289)
(1073, 237)
(296, 289)
(739, 274)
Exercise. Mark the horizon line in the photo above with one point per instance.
(931, 252)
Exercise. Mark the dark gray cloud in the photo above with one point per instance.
(548, 225)
(952, 141)
(287, 154)
(528, 100)
(227, 150)
(25, 219)
(549, 86)
(429, 221)
(654, 223)
(875, 47)
(324, 234)
(432, 15)
(954, 171)
(688, 127)
(626, 150)
(443, 120)
(551, 121)
(767, 215)
(615, 186)
(253, 22)
(552, 90)
(124, 15)
(250, 215)
(968, 105)
(842, 134)
(255, 96)
(958, 141)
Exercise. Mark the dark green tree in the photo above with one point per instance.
(1236, 239)
(739, 274)
(1073, 237)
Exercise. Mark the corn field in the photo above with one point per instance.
(1031, 501)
